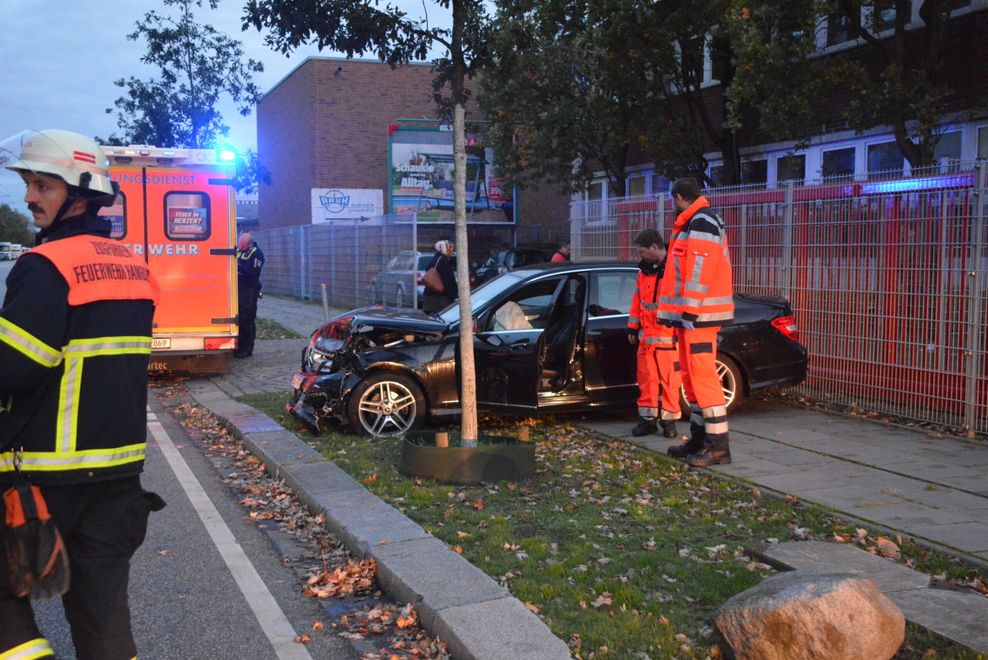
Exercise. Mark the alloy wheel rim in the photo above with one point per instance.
(387, 408)
(727, 382)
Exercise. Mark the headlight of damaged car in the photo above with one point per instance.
(322, 354)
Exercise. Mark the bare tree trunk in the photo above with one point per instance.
(468, 379)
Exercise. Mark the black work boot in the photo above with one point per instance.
(669, 428)
(686, 449)
(644, 427)
(716, 451)
(709, 457)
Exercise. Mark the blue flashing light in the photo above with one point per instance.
(913, 185)
(228, 155)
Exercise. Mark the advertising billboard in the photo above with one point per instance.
(329, 204)
(421, 177)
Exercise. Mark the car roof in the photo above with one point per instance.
(578, 266)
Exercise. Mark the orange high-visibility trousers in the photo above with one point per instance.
(704, 391)
(658, 377)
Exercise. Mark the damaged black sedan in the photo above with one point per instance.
(547, 337)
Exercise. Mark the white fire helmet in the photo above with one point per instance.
(74, 158)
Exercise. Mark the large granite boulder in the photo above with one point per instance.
(812, 615)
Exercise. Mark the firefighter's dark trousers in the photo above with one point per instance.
(704, 390)
(102, 524)
(247, 311)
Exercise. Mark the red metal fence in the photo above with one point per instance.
(887, 280)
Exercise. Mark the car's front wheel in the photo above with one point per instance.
(732, 382)
(386, 403)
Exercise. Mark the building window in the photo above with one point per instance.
(754, 172)
(636, 185)
(948, 147)
(660, 184)
(716, 175)
(838, 29)
(884, 160)
(884, 19)
(595, 191)
(791, 168)
(838, 163)
(983, 143)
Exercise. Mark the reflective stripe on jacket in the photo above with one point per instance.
(643, 315)
(249, 265)
(697, 283)
(75, 336)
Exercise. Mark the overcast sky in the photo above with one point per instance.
(59, 59)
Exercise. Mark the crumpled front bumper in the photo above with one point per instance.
(315, 397)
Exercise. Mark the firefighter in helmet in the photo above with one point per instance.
(75, 339)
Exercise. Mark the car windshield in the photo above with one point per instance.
(486, 292)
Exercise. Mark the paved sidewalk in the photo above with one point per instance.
(913, 482)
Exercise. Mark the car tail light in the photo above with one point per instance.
(787, 326)
(220, 343)
(418, 277)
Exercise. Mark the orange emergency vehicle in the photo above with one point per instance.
(176, 208)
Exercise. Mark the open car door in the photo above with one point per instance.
(508, 349)
(558, 345)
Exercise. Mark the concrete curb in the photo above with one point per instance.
(457, 602)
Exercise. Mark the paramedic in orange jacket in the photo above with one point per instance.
(696, 299)
(658, 361)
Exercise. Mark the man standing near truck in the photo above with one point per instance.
(250, 260)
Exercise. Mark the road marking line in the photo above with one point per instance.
(272, 620)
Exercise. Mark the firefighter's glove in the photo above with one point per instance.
(633, 337)
(37, 564)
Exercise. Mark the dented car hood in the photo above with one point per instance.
(393, 318)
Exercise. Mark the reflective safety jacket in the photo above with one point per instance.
(645, 303)
(697, 285)
(249, 266)
(75, 339)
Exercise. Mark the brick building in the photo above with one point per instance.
(325, 126)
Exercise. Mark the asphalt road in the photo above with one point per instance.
(207, 583)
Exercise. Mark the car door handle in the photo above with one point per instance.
(520, 345)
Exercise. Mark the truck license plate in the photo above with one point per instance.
(296, 381)
(161, 342)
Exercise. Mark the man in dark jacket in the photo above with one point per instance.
(75, 339)
(250, 260)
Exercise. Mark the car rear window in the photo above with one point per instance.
(424, 260)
